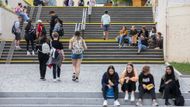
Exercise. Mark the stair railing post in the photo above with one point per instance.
(2, 46)
(38, 14)
(11, 52)
(89, 13)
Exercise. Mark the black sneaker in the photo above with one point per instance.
(73, 77)
(77, 79)
(167, 103)
(43, 79)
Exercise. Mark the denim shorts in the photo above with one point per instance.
(76, 56)
(106, 27)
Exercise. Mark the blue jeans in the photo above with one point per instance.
(24, 16)
(141, 47)
(121, 39)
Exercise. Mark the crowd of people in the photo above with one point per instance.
(51, 54)
(143, 39)
(169, 85)
(67, 3)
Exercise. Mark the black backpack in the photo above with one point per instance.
(14, 28)
(61, 31)
(179, 101)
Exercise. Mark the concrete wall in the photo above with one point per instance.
(173, 21)
(6, 21)
(13, 3)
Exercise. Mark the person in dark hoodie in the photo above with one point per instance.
(110, 80)
(142, 43)
(169, 85)
(52, 22)
(146, 85)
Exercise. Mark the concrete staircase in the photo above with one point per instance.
(68, 99)
(123, 14)
(99, 51)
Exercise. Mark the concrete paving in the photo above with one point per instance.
(25, 78)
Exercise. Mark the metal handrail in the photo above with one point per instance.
(84, 19)
(2, 46)
(38, 14)
(11, 52)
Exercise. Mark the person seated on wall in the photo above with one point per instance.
(169, 85)
(146, 85)
(122, 36)
(38, 3)
(128, 80)
(21, 11)
(159, 41)
(81, 3)
(51, 2)
(110, 81)
(142, 44)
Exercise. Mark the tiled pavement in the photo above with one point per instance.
(25, 78)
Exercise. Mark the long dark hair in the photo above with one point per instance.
(131, 74)
(111, 77)
(172, 75)
(29, 25)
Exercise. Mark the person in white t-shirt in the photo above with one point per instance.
(105, 24)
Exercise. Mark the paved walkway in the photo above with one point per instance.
(25, 78)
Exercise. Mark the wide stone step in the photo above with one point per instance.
(70, 95)
(77, 101)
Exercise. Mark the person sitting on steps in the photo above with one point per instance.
(128, 80)
(122, 36)
(110, 80)
(169, 85)
(146, 85)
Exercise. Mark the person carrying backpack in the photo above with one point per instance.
(43, 50)
(30, 34)
(16, 30)
(77, 45)
(52, 22)
(59, 27)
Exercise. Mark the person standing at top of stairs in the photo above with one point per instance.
(105, 24)
(52, 22)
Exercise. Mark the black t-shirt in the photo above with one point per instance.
(52, 23)
(146, 79)
(56, 44)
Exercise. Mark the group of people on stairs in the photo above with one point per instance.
(142, 39)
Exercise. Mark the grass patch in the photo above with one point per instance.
(184, 68)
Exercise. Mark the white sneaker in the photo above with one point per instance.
(154, 103)
(139, 103)
(116, 103)
(33, 53)
(54, 80)
(19, 48)
(126, 97)
(28, 53)
(58, 79)
(132, 97)
(105, 103)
